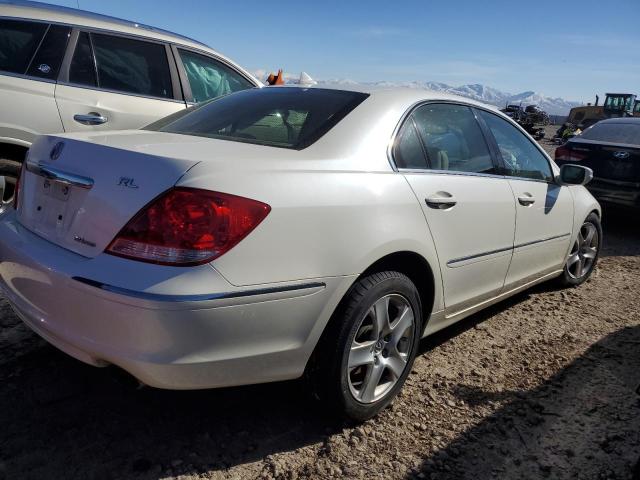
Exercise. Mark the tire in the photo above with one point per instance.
(584, 253)
(383, 357)
(10, 170)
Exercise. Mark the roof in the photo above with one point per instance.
(404, 95)
(25, 9)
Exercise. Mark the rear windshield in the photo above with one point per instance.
(628, 133)
(287, 117)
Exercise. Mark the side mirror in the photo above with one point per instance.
(575, 175)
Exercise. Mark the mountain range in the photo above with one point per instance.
(482, 93)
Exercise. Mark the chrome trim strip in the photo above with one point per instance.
(451, 263)
(526, 244)
(27, 77)
(158, 297)
(449, 172)
(56, 175)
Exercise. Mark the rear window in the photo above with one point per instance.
(628, 133)
(286, 117)
(18, 42)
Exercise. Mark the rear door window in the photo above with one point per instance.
(122, 65)
(46, 63)
(209, 78)
(19, 40)
(452, 138)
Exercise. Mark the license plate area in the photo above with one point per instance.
(51, 207)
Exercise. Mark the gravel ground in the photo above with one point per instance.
(542, 385)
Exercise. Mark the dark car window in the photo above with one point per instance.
(18, 42)
(614, 132)
(132, 66)
(209, 78)
(46, 63)
(521, 157)
(121, 64)
(277, 116)
(452, 138)
(408, 152)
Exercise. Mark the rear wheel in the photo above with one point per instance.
(584, 252)
(369, 348)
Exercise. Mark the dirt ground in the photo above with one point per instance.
(544, 385)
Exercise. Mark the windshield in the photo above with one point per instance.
(627, 133)
(286, 117)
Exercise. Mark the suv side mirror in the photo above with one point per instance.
(575, 175)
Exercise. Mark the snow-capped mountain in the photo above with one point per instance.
(482, 93)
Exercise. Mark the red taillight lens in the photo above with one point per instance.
(566, 154)
(187, 226)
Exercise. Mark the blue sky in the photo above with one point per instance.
(568, 49)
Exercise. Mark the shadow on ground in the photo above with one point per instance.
(563, 429)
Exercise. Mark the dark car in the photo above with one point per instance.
(611, 148)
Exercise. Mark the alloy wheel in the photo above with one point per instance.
(584, 251)
(381, 348)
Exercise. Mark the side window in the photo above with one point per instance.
(18, 42)
(209, 78)
(46, 63)
(121, 64)
(521, 157)
(452, 138)
(83, 69)
(408, 152)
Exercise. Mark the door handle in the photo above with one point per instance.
(92, 118)
(526, 199)
(441, 200)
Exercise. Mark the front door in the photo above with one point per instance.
(469, 209)
(116, 83)
(544, 209)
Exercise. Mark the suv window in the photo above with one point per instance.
(285, 117)
(452, 138)
(209, 78)
(46, 63)
(521, 157)
(18, 42)
(121, 64)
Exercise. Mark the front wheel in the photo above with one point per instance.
(584, 253)
(369, 347)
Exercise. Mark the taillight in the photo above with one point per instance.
(188, 226)
(566, 154)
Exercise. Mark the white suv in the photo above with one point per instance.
(65, 70)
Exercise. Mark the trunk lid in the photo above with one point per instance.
(609, 161)
(78, 191)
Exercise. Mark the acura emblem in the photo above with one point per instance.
(621, 155)
(56, 151)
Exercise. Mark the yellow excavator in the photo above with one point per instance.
(615, 105)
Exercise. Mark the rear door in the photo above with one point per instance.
(116, 82)
(544, 209)
(469, 208)
(30, 57)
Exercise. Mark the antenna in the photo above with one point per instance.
(78, 3)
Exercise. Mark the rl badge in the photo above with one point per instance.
(127, 182)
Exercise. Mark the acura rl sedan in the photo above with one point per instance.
(288, 232)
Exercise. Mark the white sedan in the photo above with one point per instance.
(284, 232)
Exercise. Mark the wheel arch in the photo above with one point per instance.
(13, 151)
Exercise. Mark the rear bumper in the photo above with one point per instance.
(620, 193)
(169, 327)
